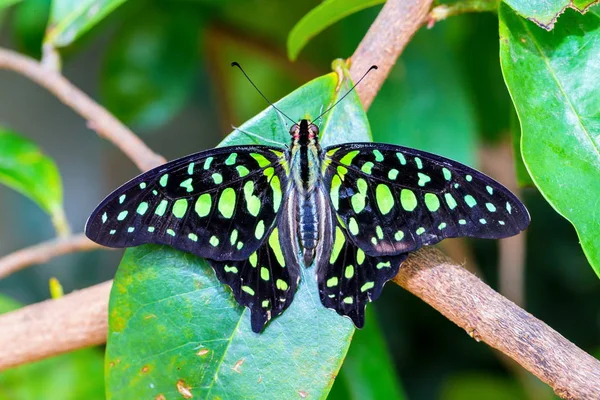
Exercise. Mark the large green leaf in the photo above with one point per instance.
(173, 327)
(545, 12)
(553, 80)
(424, 106)
(27, 170)
(321, 17)
(72, 376)
(368, 371)
(69, 19)
(149, 71)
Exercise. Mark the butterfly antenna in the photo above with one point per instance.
(235, 64)
(348, 92)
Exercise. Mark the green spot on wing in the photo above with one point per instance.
(180, 208)
(432, 202)
(385, 200)
(260, 159)
(162, 208)
(337, 245)
(347, 159)
(408, 199)
(203, 205)
(227, 202)
(470, 200)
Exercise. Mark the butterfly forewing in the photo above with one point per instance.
(219, 204)
(393, 199)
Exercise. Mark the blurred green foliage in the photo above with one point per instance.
(162, 59)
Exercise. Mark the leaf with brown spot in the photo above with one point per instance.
(184, 389)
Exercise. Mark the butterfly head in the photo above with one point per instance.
(304, 132)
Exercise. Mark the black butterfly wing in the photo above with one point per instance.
(350, 278)
(265, 282)
(393, 199)
(219, 204)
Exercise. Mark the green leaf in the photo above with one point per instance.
(149, 71)
(173, 327)
(7, 3)
(553, 81)
(320, 18)
(424, 106)
(545, 12)
(27, 170)
(69, 19)
(368, 371)
(523, 178)
(72, 376)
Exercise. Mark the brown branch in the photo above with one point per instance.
(32, 333)
(489, 317)
(45, 251)
(79, 319)
(97, 117)
(386, 39)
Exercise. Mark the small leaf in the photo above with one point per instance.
(546, 12)
(368, 371)
(175, 329)
(72, 376)
(69, 19)
(56, 289)
(27, 170)
(321, 17)
(553, 80)
(149, 71)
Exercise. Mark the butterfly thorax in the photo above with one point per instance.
(305, 168)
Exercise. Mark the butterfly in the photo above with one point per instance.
(352, 212)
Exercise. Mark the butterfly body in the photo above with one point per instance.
(260, 213)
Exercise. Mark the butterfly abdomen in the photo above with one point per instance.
(308, 226)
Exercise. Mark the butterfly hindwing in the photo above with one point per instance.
(350, 278)
(394, 199)
(265, 282)
(219, 204)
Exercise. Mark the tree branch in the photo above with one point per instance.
(79, 319)
(32, 333)
(489, 317)
(45, 251)
(99, 120)
(384, 42)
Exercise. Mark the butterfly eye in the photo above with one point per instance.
(312, 128)
(295, 130)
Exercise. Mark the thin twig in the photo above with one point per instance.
(45, 251)
(98, 119)
(384, 42)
